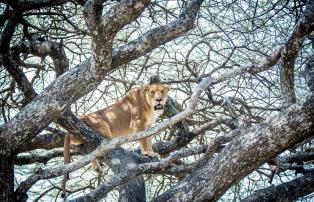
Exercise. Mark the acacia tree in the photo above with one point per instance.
(242, 75)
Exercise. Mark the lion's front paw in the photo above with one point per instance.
(150, 154)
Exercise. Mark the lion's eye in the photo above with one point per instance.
(162, 91)
(152, 92)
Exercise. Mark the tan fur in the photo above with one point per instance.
(134, 112)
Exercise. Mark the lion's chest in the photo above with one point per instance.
(155, 115)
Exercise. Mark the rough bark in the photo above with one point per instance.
(289, 54)
(6, 156)
(44, 141)
(309, 73)
(288, 191)
(245, 153)
(7, 178)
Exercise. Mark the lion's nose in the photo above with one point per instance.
(159, 100)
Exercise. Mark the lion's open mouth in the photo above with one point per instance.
(158, 107)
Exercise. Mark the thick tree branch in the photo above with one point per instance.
(29, 159)
(309, 73)
(104, 29)
(287, 191)
(298, 157)
(184, 138)
(294, 161)
(289, 53)
(157, 36)
(6, 159)
(44, 141)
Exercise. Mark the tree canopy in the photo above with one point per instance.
(238, 124)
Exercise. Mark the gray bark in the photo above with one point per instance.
(289, 54)
(7, 179)
(285, 192)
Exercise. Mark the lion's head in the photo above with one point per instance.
(156, 95)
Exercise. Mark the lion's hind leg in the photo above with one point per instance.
(97, 167)
(104, 129)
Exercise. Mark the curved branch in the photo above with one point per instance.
(29, 159)
(157, 36)
(289, 53)
(44, 141)
(185, 137)
(288, 191)
(104, 29)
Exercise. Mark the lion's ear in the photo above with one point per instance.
(146, 88)
(167, 87)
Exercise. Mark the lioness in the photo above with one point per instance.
(135, 112)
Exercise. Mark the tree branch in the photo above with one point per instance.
(44, 141)
(104, 29)
(287, 191)
(29, 159)
(309, 73)
(185, 137)
(157, 36)
(289, 53)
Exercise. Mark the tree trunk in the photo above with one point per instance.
(6, 179)
(134, 190)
